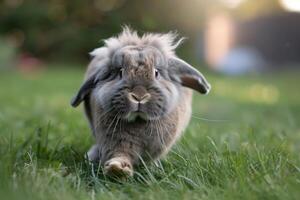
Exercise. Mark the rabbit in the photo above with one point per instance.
(137, 98)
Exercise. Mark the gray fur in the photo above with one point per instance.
(136, 98)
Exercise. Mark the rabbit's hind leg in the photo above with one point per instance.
(93, 155)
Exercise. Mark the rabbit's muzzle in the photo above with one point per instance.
(139, 95)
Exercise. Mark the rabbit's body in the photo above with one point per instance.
(142, 138)
(135, 100)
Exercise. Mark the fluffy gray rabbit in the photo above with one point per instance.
(137, 99)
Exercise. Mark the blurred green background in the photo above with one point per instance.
(65, 31)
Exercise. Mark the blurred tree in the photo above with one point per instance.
(67, 30)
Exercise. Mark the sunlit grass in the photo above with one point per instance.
(243, 143)
(256, 92)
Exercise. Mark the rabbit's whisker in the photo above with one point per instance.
(210, 120)
(160, 132)
(118, 119)
(112, 122)
(104, 113)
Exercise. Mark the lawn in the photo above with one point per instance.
(243, 143)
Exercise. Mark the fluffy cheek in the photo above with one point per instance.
(162, 102)
(106, 96)
(113, 98)
(172, 96)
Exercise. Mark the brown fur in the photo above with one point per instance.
(121, 144)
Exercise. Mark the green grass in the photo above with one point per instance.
(247, 147)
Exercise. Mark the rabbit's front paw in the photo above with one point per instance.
(119, 166)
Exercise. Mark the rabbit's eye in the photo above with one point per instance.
(121, 73)
(156, 73)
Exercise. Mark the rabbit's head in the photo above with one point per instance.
(140, 80)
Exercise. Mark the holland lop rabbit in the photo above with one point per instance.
(137, 99)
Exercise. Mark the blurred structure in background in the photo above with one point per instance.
(230, 36)
(260, 44)
(267, 38)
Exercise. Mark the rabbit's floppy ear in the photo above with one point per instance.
(100, 73)
(84, 90)
(188, 76)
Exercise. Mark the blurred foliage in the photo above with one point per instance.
(67, 30)
(7, 54)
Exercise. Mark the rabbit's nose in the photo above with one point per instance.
(135, 98)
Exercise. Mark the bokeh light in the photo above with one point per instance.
(291, 5)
